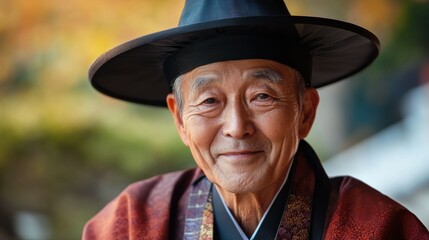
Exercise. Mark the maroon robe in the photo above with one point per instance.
(156, 209)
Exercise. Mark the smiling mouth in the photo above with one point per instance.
(240, 155)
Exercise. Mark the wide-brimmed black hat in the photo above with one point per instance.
(322, 50)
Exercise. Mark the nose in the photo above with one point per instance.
(237, 121)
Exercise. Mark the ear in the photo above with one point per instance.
(308, 111)
(175, 111)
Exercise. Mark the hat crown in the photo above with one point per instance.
(197, 11)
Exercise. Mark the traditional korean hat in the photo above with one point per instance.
(322, 50)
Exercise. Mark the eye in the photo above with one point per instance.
(263, 99)
(262, 96)
(210, 101)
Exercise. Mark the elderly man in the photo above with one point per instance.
(239, 78)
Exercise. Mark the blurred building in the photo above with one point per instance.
(395, 161)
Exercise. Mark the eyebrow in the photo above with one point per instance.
(262, 73)
(202, 81)
(267, 73)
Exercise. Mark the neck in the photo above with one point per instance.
(249, 208)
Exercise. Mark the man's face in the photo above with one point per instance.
(242, 121)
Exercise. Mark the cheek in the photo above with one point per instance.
(201, 133)
(199, 130)
(279, 126)
(281, 129)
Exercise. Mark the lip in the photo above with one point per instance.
(239, 155)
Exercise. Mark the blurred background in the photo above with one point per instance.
(66, 150)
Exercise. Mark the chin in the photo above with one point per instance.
(241, 184)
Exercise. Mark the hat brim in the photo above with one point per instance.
(134, 71)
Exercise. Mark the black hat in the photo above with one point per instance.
(322, 50)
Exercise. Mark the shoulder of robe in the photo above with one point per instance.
(358, 211)
(143, 206)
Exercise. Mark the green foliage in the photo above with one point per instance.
(69, 169)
